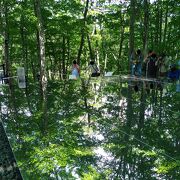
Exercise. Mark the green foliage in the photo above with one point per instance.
(92, 175)
(168, 167)
(135, 142)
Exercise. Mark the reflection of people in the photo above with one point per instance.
(94, 69)
(75, 69)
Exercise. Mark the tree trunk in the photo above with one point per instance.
(68, 53)
(90, 48)
(165, 25)
(64, 58)
(131, 49)
(146, 26)
(24, 40)
(83, 32)
(42, 59)
(84, 90)
(142, 111)
(156, 36)
(9, 168)
(160, 22)
(121, 41)
(5, 27)
(160, 108)
(132, 21)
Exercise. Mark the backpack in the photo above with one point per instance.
(96, 69)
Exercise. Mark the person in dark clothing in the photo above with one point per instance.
(150, 69)
(145, 62)
(174, 73)
(151, 66)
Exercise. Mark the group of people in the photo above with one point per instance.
(153, 66)
(93, 68)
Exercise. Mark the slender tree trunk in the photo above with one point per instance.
(146, 26)
(168, 45)
(120, 51)
(132, 21)
(156, 35)
(129, 111)
(160, 108)
(90, 48)
(165, 25)
(5, 37)
(121, 41)
(53, 57)
(64, 58)
(142, 111)
(68, 53)
(160, 22)
(84, 90)
(43, 73)
(120, 47)
(83, 32)
(23, 39)
(131, 49)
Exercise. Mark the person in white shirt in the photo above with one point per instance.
(94, 69)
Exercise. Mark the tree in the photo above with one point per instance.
(146, 26)
(83, 31)
(42, 59)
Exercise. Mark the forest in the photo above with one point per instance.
(90, 128)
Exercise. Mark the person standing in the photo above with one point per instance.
(138, 65)
(151, 66)
(133, 63)
(94, 69)
(75, 69)
(162, 64)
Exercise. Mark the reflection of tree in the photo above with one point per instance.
(136, 149)
(131, 151)
(8, 165)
